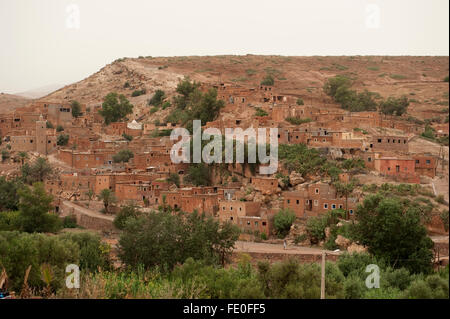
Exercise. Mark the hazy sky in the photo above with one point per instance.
(45, 42)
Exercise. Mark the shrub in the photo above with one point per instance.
(49, 124)
(76, 108)
(283, 221)
(69, 221)
(163, 240)
(127, 212)
(129, 138)
(268, 80)
(394, 106)
(62, 140)
(260, 112)
(157, 98)
(300, 101)
(138, 92)
(123, 156)
(115, 107)
(59, 128)
(297, 120)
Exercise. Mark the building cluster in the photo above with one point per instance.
(381, 141)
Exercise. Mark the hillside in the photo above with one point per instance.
(419, 78)
(9, 102)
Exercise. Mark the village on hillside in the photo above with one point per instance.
(106, 141)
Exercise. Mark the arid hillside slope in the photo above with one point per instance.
(9, 102)
(419, 78)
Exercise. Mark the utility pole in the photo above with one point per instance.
(322, 279)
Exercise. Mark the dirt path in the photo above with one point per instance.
(88, 212)
(242, 246)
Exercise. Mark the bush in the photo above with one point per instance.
(115, 107)
(123, 156)
(297, 120)
(76, 108)
(138, 92)
(300, 101)
(268, 80)
(124, 215)
(157, 98)
(260, 112)
(394, 106)
(49, 124)
(62, 140)
(69, 222)
(198, 175)
(59, 128)
(163, 240)
(129, 138)
(174, 178)
(154, 110)
(283, 221)
(354, 287)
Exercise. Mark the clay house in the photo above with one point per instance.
(400, 168)
(425, 165)
(246, 215)
(41, 140)
(59, 114)
(264, 184)
(315, 199)
(396, 143)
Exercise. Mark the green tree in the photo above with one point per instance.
(300, 101)
(108, 198)
(115, 107)
(76, 108)
(90, 195)
(198, 175)
(392, 230)
(37, 171)
(268, 80)
(23, 156)
(345, 190)
(123, 156)
(394, 106)
(163, 240)
(62, 140)
(34, 206)
(59, 128)
(5, 155)
(157, 98)
(174, 178)
(125, 213)
(299, 158)
(184, 89)
(283, 221)
(9, 199)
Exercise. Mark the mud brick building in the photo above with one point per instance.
(248, 216)
(264, 184)
(315, 199)
(425, 165)
(41, 140)
(393, 143)
(401, 169)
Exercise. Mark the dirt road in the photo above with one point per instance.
(242, 246)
